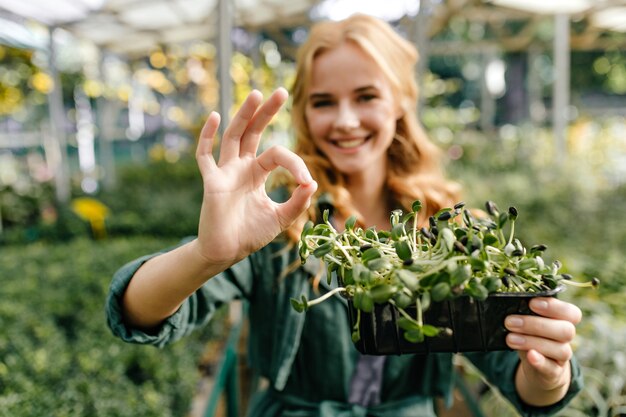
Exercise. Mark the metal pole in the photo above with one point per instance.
(57, 122)
(536, 108)
(487, 100)
(224, 55)
(105, 116)
(560, 101)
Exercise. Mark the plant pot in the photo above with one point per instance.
(475, 325)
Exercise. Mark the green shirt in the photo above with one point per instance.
(309, 358)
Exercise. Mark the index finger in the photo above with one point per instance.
(260, 120)
(231, 140)
(556, 309)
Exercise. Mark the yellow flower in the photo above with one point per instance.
(93, 211)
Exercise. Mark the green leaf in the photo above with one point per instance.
(408, 278)
(329, 272)
(303, 252)
(325, 216)
(382, 293)
(490, 239)
(476, 243)
(378, 264)
(397, 231)
(367, 303)
(371, 234)
(502, 219)
(403, 250)
(407, 217)
(359, 272)
(478, 265)
(308, 227)
(402, 299)
(492, 283)
(468, 219)
(527, 264)
(357, 300)
(370, 254)
(425, 301)
(414, 336)
(347, 276)
(322, 250)
(448, 238)
(440, 291)
(429, 330)
(299, 307)
(461, 274)
(321, 229)
(406, 324)
(350, 223)
(416, 206)
(477, 291)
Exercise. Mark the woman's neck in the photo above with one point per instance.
(371, 198)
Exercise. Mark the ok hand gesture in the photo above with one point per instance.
(237, 216)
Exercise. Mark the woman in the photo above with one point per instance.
(361, 152)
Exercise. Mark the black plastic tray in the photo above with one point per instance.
(476, 325)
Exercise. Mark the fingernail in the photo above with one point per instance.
(516, 339)
(514, 322)
(305, 177)
(541, 305)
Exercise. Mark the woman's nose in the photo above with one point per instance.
(347, 117)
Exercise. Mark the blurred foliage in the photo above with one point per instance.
(24, 86)
(158, 199)
(57, 356)
(575, 207)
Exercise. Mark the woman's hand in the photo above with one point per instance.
(544, 346)
(237, 216)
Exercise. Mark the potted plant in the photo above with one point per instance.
(442, 288)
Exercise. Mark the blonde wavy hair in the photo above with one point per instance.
(414, 168)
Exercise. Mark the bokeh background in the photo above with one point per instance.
(101, 102)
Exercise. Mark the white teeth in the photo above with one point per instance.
(350, 143)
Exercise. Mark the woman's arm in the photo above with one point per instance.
(544, 346)
(237, 217)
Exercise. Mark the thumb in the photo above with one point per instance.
(299, 201)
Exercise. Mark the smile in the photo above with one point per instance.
(349, 143)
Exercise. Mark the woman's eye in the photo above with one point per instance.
(367, 97)
(321, 103)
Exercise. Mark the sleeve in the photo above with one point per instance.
(196, 311)
(499, 368)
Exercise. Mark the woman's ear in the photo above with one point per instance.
(401, 109)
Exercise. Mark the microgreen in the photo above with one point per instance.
(457, 254)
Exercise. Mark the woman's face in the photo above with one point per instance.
(350, 111)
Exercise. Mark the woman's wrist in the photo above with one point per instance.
(535, 394)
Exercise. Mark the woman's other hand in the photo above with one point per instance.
(544, 346)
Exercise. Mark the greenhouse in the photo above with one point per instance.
(103, 102)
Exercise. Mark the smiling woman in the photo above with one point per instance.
(359, 151)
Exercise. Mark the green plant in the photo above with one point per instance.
(408, 265)
(57, 356)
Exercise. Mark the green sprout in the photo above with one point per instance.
(457, 254)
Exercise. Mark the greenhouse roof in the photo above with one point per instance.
(134, 26)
